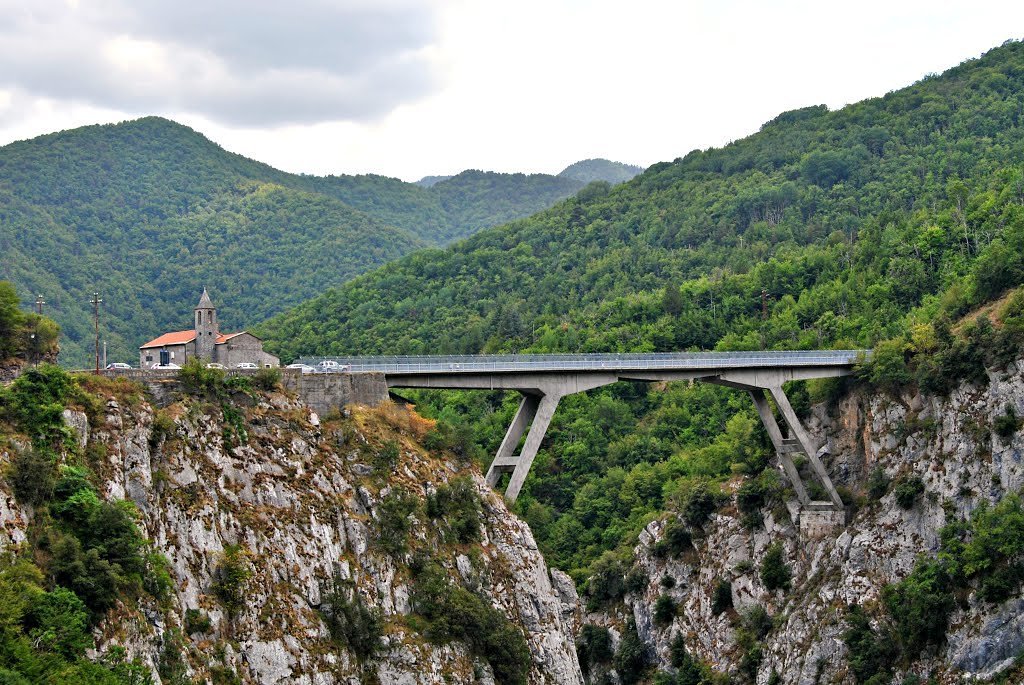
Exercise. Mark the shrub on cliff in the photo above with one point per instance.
(775, 573)
(350, 622)
(664, 610)
(593, 647)
(631, 656)
(32, 474)
(455, 613)
(907, 490)
(458, 504)
(231, 579)
(920, 606)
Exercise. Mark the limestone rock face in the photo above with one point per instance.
(301, 499)
(948, 443)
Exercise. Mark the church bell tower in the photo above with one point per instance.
(206, 327)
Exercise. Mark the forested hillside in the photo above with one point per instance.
(891, 218)
(590, 170)
(148, 212)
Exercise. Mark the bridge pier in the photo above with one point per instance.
(537, 411)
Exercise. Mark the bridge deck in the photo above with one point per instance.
(560, 363)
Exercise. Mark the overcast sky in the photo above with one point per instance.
(408, 88)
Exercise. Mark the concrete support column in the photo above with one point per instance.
(504, 460)
(535, 411)
(539, 426)
(797, 431)
(772, 426)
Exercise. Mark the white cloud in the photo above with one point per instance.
(239, 63)
(410, 89)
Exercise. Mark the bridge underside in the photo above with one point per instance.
(542, 392)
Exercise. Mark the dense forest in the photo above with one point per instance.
(886, 223)
(148, 212)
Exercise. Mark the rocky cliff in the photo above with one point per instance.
(290, 540)
(963, 453)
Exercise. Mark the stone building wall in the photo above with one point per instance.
(245, 347)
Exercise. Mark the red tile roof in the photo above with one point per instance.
(224, 337)
(176, 338)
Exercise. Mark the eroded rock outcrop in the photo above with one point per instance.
(296, 501)
(947, 442)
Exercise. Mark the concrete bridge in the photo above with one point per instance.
(543, 380)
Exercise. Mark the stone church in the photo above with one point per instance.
(206, 342)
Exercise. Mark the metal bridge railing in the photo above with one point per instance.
(513, 363)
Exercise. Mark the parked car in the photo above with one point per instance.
(164, 367)
(328, 365)
(246, 365)
(304, 368)
(118, 365)
(214, 365)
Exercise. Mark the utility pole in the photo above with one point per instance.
(95, 301)
(39, 304)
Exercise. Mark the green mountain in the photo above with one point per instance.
(148, 212)
(887, 219)
(590, 170)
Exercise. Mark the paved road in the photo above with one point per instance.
(663, 361)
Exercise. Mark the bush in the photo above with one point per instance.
(457, 439)
(35, 403)
(677, 538)
(871, 655)
(458, 504)
(907, 490)
(920, 606)
(267, 379)
(878, 483)
(386, 458)
(757, 622)
(688, 671)
(664, 610)
(721, 598)
(456, 613)
(32, 475)
(393, 521)
(631, 656)
(350, 622)
(1007, 424)
(196, 379)
(700, 503)
(775, 573)
(593, 647)
(231, 579)
(991, 548)
(606, 583)
(59, 622)
(636, 580)
(197, 621)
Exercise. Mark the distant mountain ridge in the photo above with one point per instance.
(590, 170)
(585, 171)
(148, 212)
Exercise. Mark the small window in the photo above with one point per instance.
(172, 355)
(149, 357)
